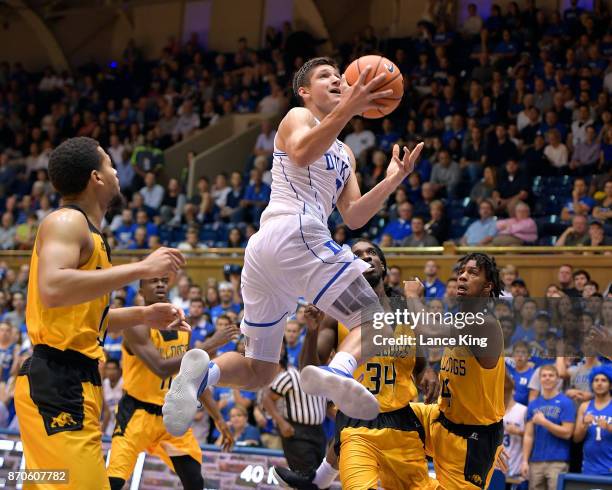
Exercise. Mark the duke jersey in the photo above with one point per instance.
(312, 190)
(389, 378)
(138, 380)
(513, 444)
(598, 442)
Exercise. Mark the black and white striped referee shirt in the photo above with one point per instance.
(300, 407)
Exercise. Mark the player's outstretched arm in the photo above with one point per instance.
(357, 210)
(64, 243)
(161, 316)
(138, 341)
(305, 141)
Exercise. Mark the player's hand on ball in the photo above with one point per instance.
(401, 166)
(361, 96)
(163, 262)
(165, 316)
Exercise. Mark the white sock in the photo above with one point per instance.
(326, 474)
(344, 362)
(214, 373)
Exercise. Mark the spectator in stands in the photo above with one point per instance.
(275, 103)
(512, 187)
(434, 287)
(472, 25)
(244, 433)
(192, 241)
(507, 274)
(256, 196)
(586, 154)
(483, 230)
(360, 140)
(419, 237)
(603, 209)
(518, 230)
(125, 170)
(525, 329)
(438, 225)
(394, 277)
(7, 231)
(485, 187)
(188, 121)
(550, 424)
(514, 428)
(445, 175)
(264, 146)
(593, 424)
(581, 202)
(597, 236)
(566, 281)
(428, 195)
(112, 388)
(293, 343)
(16, 317)
(226, 304)
(581, 277)
(556, 153)
(500, 149)
(232, 210)
(401, 227)
(474, 155)
(139, 241)
(580, 125)
(152, 192)
(576, 234)
(25, 233)
(521, 370)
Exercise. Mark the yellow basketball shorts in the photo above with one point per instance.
(58, 400)
(388, 449)
(463, 455)
(140, 427)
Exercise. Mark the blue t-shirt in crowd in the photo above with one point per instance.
(113, 347)
(7, 357)
(521, 383)
(522, 333)
(293, 353)
(598, 442)
(200, 333)
(249, 433)
(546, 446)
(217, 311)
(252, 194)
(435, 290)
(398, 229)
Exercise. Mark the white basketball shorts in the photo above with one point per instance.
(293, 256)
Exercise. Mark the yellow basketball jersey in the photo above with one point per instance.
(470, 394)
(79, 327)
(138, 380)
(388, 378)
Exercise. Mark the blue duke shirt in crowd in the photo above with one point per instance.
(293, 353)
(253, 194)
(225, 393)
(522, 333)
(546, 446)
(200, 332)
(435, 289)
(398, 229)
(217, 311)
(112, 346)
(7, 358)
(521, 383)
(598, 442)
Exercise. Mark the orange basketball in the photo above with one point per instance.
(393, 81)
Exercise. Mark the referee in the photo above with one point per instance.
(301, 423)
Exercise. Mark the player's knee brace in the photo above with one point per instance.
(356, 305)
(189, 472)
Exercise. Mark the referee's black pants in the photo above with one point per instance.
(306, 449)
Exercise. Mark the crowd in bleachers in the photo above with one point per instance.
(514, 110)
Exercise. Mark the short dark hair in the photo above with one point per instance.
(302, 76)
(489, 266)
(71, 164)
(581, 272)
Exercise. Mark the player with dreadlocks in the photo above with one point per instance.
(464, 430)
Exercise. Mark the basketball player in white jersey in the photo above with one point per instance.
(293, 254)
